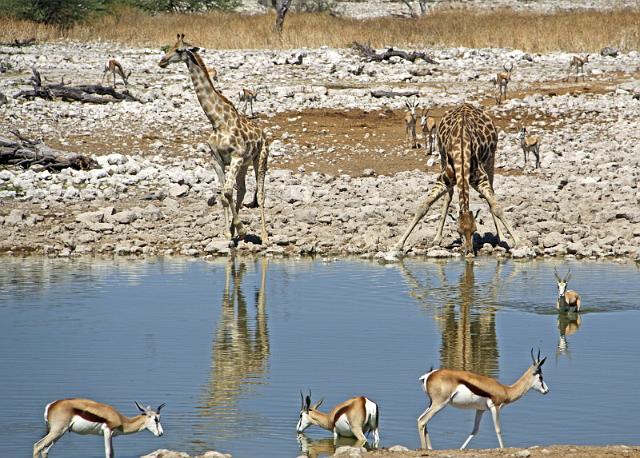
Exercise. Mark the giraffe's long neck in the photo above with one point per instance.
(217, 107)
(465, 169)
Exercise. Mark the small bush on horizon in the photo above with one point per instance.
(60, 13)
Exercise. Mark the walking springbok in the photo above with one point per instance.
(114, 67)
(410, 123)
(248, 96)
(354, 417)
(578, 62)
(567, 300)
(530, 143)
(467, 140)
(467, 390)
(84, 416)
(428, 126)
(502, 79)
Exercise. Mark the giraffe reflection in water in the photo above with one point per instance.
(465, 314)
(240, 348)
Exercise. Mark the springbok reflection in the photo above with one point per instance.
(314, 448)
(568, 324)
(469, 340)
(240, 348)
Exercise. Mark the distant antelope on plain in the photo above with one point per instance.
(84, 416)
(467, 390)
(530, 143)
(114, 67)
(410, 123)
(578, 62)
(502, 80)
(248, 96)
(567, 299)
(428, 126)
(354, 417)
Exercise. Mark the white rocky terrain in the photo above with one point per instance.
(342, 180)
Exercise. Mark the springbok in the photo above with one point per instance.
(567, 300)
(248, 96)
(213, 73)
(114, 67)
(578, 62)
(410, 123)
(502, 79)
(354, 417)
(530, 143)
(84, 416)
(467, 390)
(428, 126)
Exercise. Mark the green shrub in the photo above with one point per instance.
(60, 13)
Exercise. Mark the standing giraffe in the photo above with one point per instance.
(467, 139)
(236, 141)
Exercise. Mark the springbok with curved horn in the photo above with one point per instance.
(502, 79)
(84, 416)
(354, 417)
(467, 390)
(410, 122)
(567, 300)
(578, 62)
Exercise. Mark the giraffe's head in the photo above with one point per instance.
(178, 52)
(466, 228)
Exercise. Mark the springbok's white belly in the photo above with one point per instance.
(464, 398)
(342, 426)
(81, 426)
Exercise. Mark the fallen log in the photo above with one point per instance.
(86, 93)
(19, 43)
(365, 50)
(26, 153)
(381, 93)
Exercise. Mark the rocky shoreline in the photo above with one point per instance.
(398, 451)
(349, 188)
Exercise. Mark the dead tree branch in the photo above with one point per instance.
(281, 12)
(19, 43)
(381, 93)
(24, 152)
(86, 93)
(366, 51)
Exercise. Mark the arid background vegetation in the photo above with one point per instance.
(571, 31)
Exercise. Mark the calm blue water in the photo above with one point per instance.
(228, 346)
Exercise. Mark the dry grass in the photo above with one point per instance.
(532, 32)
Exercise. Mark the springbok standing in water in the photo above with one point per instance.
(567, 300)
(84, 416)
(467, 390)
(354, 417)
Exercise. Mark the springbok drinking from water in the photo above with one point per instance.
(466, 390)
(567, 300)
(84, 416)
(354, 417)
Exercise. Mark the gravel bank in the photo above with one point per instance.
(345, 188)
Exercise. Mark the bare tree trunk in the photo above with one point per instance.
(370, 54)
(423, 7)
(281, 12)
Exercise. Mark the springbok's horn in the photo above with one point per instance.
(140, 408)
(532, 358)
(555, 272)
(301, 400)
(160, 407)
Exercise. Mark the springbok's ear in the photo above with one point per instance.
(140, 408)
(307, 403)
(317, 405)
(194, 49)
(477, 213)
